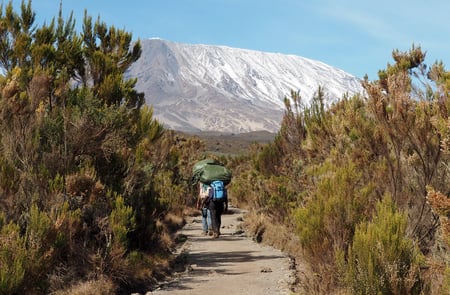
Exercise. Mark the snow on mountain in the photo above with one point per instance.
(218, 88)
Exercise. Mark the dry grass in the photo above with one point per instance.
(268, 232)
(100, 286)
(168, 228)
(173, 222)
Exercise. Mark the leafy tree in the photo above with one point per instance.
(108, 54)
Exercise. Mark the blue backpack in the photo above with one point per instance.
(219, 191)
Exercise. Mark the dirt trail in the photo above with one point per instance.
(231, 264)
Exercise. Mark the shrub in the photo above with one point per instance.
(39, 242)
(13, 255)
(381, 258)
(327, 220)
(121, 221)
(439, 272)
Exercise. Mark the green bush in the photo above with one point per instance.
(13, 256)
(327, 220)
(382, 259)
(121, 221)
(38, 242)
(241, 191)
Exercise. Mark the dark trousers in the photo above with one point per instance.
(216, 209)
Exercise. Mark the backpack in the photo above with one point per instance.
(219, 190)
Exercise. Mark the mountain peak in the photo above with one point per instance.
(196, 87)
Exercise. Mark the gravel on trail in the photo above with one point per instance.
(228, 265)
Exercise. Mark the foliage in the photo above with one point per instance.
(12, 258)
(288, 141)
(89, 178)
(87, 173)
(381, 258)
(338, 159)
(121, 222)
(328, 221)
(440, 268)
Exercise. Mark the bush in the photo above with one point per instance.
(13, 255)
(382, 259)
(328, 219)
(121, 222)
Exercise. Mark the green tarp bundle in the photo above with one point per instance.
(206, 171)
(198, 167)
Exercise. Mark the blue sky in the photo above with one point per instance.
(356, 36)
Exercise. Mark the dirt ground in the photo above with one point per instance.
(231, 264)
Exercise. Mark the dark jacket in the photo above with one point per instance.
(218, 205)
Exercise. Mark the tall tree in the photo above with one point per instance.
(108, 54)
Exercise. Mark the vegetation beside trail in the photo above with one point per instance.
(357, 190)
(92, 187)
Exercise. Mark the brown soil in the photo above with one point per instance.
(230, 264)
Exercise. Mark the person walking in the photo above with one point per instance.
(217, 206)
(202, 204)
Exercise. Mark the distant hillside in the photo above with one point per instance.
(232, 143)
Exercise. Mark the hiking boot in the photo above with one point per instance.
(210, 233)
(216, 235)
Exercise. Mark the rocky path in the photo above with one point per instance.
(231, 264)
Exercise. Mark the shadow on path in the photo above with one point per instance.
(231, 264)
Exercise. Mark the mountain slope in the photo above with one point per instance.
(218, 88)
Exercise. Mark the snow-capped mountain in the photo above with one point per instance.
(218, 88)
